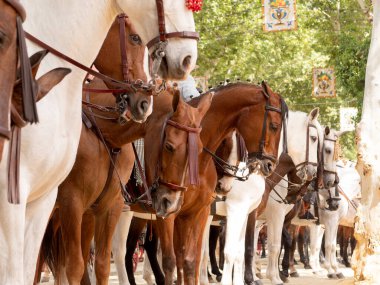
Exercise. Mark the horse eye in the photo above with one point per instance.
(314, 138)
(169, 147)
(135, 39)
(328, 151)
(273, 126)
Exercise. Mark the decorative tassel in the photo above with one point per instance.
(194, 5)
(193, 158)
(29, 87)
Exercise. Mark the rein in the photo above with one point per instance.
(29, 95)
(160, 42)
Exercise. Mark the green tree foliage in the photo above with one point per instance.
(332, 33)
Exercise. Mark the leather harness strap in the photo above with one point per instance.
(105, 78)
(123, 47)
(163, 35)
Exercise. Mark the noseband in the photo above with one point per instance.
(160, 42)
(192, 148)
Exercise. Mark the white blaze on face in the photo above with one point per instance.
(225, 183)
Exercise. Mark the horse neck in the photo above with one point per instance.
(75, 28)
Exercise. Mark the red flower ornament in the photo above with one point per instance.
(194, 5)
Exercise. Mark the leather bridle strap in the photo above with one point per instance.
(123, 47)
(114, 82)
(307, 162)
(163, 35)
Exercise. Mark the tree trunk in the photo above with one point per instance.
(366, 258)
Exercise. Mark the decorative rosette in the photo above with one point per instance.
(194, 5)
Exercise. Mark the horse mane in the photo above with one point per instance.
(194, 102)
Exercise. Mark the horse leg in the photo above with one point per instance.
(275, 214)
(88, 229)
(222, 242)
(151, 246)
(213, 240)
(166, 230)
(119, 249)
(286, 243)
(330, 249)
(190, 243)
(71, 221)
(251, 235)
(135, 229)
(104, 228)
(205, 253)
(37, 217)
(235, 232)
(293, 271)
(316, 234)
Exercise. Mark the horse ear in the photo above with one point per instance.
(205, 103)
(47, 81)
(327, 130)
(35, 61)
(313, 115)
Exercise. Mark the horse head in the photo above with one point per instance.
(228, 152)
(330, 155)
(178, 159)
(263, 136)
(167, 27)
(9, 12)
(305, 144)
(126, 65)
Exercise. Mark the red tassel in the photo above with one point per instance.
(194, 5)
(193, 158)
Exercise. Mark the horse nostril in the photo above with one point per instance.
(166, 203)
(186, 62)
(270, 166)
(144, 105)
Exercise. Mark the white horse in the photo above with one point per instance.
(244, 197)
(275, 210)
(349, 188)
(78, 29)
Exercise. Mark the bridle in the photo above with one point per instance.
(160, 42)
(192, 147)
(254, 156)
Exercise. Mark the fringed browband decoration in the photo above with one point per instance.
(29, 87)
(194, 5)
(192, 143)
(14, 166)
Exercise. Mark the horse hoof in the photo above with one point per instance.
(284, 278)
(294, 274)
(347, 264)
(260, 276)
(219, 278)
(258, 282)
(307, 266)
(332, 276)
(340, 275)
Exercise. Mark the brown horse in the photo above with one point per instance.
(256, 112)
(9, 12)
